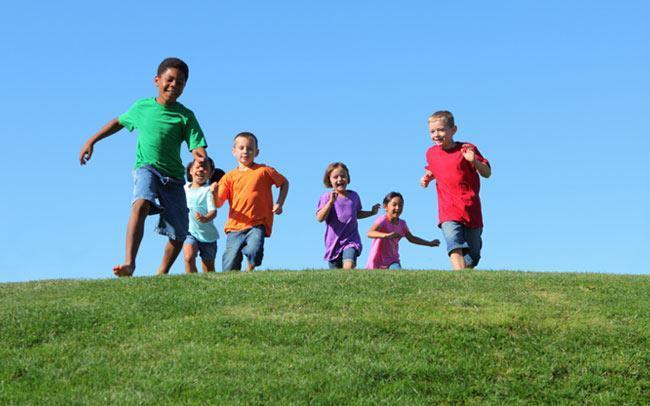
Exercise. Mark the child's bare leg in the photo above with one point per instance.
(348, 264)
(457, 259)
(208, 266)
(189, 255)
(172, 249)
(134, 233)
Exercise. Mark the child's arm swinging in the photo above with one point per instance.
(282, 196)
(419, 241)
(362, 214)
(207, 218)
(109, 129)
(324, 211)
(375, 233)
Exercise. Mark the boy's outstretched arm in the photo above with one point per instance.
(109, 129)
(420, 241)
(282, 196)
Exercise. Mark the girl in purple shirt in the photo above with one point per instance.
(340, 208)
(387, 231)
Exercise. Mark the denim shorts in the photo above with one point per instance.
(248, 243)
(207, 250)
(468, 239)
(348, 254)
(150, 185)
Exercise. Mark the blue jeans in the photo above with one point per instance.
(467, 239)
(348, 254)
(249, 243)
(150, 185)
(207, 250)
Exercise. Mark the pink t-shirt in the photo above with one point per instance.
(385, 251)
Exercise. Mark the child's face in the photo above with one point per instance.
(441, 134)
(339, 179)
(245, 150)
(200, 173)
(170, 85)
(394, 207)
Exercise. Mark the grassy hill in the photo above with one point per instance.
(328, 337)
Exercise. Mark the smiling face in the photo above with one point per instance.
(170, 86)
(441, 133)
(245, 150)
(394, 208)
(200, 173)
(339, 179)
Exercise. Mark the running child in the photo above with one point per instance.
(248, 190)
(163, 124)
(456, 166)
(203, 235)
(340, 208)
(387, 231)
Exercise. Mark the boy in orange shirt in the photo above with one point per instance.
(247, 189)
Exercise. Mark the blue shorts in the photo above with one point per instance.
(150, 185)
(249, 243)
(207, 250)
(467, 239)
(348, 254)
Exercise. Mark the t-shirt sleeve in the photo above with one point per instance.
(380, 221)
(192, 133)
(210, 200)
(428, 158)
(480, 157)
(323, 200)
(276, 178)
(131, 117)
(404, 229)
(357, 200)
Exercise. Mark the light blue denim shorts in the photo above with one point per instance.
(167, 198)
(348, 254)
(247, 243)
(207, 250)
(458, 236)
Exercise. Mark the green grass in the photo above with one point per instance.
(328, 337)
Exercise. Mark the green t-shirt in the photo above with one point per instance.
(161, 131)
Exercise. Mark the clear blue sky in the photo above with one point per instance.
(554, 94)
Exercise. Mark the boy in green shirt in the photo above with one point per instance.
(163, 125)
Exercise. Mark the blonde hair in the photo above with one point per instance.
(443, 115)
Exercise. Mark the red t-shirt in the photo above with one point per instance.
(457, 184)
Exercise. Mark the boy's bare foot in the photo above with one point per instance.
(249, 267)
(123, 270)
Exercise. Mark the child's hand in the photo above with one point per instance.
(375, 208)
(333, 196)
(86, 153)
(468, 151)
(213, 187)
(277, 208)
(434, 243)
(201, 218)
(426, 179)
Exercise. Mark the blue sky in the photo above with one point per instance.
(554, 94)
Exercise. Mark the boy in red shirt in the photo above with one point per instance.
(455, 165)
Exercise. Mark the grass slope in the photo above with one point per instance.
(328, 337)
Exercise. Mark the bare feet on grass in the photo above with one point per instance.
(250, 267)
(123, 270)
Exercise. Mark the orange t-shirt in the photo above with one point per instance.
(250, 197)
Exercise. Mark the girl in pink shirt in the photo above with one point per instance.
(387, 231)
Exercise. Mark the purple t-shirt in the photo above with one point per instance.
(385, 251)
(342, 229)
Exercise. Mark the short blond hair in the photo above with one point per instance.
(443, 115)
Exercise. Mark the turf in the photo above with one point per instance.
(410, 337)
